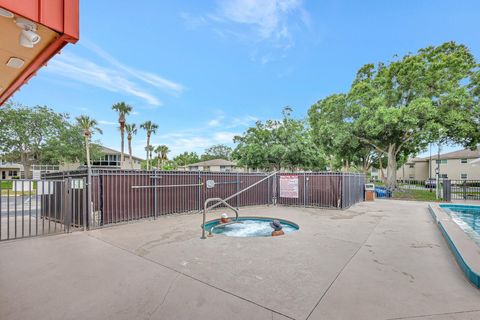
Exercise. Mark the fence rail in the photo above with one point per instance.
(465, 189)
(124, 195)
(31, 208)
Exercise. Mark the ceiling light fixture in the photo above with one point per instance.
(28, 36)
(16, 63)
(5, 13)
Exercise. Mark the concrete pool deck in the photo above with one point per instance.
(381, 260)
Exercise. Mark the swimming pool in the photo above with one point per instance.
(249, 227)
(467, 217)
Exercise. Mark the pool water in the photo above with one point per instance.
(250, 227)
(467, 217)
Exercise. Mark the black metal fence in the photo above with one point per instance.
(124, 195)
(31, 208)
(465, 189)
(63, 201)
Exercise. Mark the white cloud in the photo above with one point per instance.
(218, 130)
(244, 121)
(267, 25)
(112, 75)
(214, 123)
(79, 69)
(148, 77)
(108, 123)
(224, 136)
(267, 17)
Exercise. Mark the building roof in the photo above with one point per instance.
(214, 162)
(11, 165)
(417, 159)
(107, 150)
(57, 24)
(459, 154)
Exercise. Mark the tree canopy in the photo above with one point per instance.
(38, 135)
(186, 158)
(218, 151)
(397, 108)
(278, 144)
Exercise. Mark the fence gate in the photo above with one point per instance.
(30, 208)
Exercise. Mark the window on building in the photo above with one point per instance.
(411, 177)
(463, 176)
(193, 168)
(12, 173)
(443, 161)
(463, 160)
(412, 166)
(444, 176)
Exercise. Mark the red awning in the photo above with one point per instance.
(62, 16)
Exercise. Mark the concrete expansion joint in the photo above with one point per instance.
(164, 297)
(180, 273)
(434, 314)
(343, 268)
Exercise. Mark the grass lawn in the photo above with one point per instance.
(6, 184)
(413, 194)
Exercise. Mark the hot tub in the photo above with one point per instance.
(248, 227)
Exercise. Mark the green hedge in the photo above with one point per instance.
(6, 184)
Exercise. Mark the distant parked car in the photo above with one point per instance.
(430, 183)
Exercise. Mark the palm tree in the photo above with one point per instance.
(149, 150)
(123, 109)
(131, 131)
(150, 128)
(88, 125)
(162, 152)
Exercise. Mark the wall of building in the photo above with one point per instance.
(414, 170)
(454, 168)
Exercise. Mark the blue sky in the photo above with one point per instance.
(206, 70)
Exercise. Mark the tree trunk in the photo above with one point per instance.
(26, 165)
(87, 152)
(391, 168)
(158, 163)
(380, 166)
(148, 145)
(130, 152)
(122, 142)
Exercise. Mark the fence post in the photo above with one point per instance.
(84, 213)
(89, 196)
(199, 191)
(274, 191)
(304, 190)
(238, 186)
(68, 204)
(155, 194)
(447, 190)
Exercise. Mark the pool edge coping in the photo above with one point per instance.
(465, 250)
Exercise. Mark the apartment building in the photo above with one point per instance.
(215, 165)
(456, 165)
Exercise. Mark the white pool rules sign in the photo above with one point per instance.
(289, 186)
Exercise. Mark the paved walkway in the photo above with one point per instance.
(382, 260)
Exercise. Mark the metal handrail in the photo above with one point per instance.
(243, 190)
(224, 201)
(220, 200)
